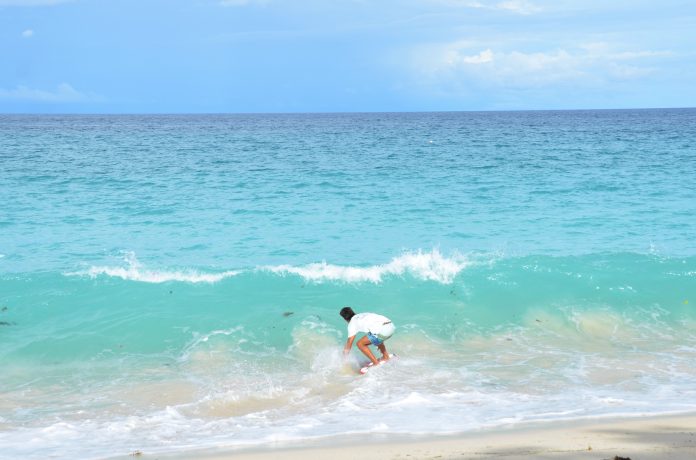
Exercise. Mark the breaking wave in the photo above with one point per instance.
(134, 271)
(425, 266)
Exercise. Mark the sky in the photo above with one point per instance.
(240, 56)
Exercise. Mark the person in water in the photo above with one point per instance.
(377, 329)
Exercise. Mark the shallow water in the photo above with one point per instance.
(175, 281)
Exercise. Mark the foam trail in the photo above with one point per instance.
(135, 272)
(429, 266)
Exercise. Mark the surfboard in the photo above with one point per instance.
(369, 365)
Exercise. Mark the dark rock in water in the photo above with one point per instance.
(616, 457)
(5, 323)
(288, 313)
(4, 309)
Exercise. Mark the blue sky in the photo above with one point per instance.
(170, 56)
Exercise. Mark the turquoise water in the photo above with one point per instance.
(175, 281)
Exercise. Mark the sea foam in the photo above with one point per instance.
(427, 266)
(134, 271)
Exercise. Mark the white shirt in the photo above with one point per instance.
(378, 325)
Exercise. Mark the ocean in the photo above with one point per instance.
(174, 282)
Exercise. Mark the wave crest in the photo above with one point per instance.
(133, 271)
(427, 266)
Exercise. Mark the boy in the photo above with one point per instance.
(377, 328)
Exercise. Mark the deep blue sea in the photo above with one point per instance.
(172, 282)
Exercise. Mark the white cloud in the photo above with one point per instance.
(603, 49)
(480, 58)
(28, 33)
(63, 93)
(518, 6)
(461, 62)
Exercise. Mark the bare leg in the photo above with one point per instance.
(364, 346)
(383, 349)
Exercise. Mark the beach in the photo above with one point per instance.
(645, 438)
(274, 229)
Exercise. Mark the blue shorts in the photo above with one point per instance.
(373, 338)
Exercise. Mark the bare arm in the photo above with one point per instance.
(348, 345)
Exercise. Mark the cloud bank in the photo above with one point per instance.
(588, 63)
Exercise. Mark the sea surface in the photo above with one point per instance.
(171, 282)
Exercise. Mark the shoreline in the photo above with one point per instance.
(650, 437)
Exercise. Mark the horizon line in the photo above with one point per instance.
(357, 112)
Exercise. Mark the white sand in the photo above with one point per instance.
(647, 438)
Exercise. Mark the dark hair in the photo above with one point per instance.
(347, 313)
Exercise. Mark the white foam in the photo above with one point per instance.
(413, 399)
(261, 408)
(430, 266)
(134, 271)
